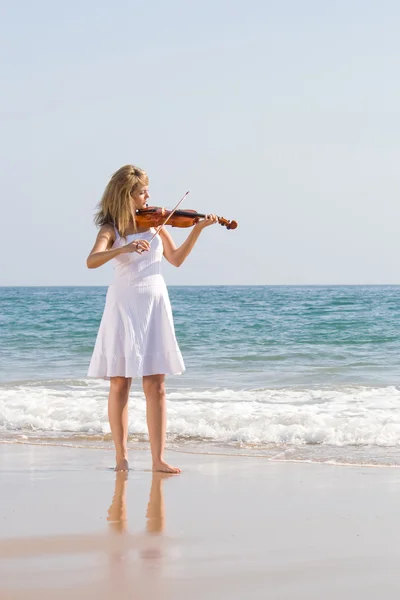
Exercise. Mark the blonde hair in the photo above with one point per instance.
(115, 207)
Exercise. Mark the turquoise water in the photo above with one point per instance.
(239, 336)
(313, 370)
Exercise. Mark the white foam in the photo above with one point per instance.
(342, 416)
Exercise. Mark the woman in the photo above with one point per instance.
(136, 337)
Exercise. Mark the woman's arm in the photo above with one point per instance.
(175, 255)
(101, 252)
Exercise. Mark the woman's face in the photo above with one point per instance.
(140, 195)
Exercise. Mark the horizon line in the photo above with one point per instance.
(215, 285)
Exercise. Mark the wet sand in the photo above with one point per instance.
(228, 527)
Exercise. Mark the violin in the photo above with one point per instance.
(154, 216)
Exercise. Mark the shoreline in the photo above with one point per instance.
(242, 454)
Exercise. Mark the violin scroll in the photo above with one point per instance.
(226, 223)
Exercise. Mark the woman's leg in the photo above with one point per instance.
(154, 390)
(118, 417)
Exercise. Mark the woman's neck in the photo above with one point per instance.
(131, 229)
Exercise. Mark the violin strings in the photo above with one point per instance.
(167, 219)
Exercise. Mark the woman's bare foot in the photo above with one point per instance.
(122, 465)
(164, 467)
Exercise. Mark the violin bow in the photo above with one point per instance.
(167, 219)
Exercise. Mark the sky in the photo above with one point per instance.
(282, 115)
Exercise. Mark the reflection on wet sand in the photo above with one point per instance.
(86, 543)
(117, 511)
(117, 516)
(156, 506)
(155, 515)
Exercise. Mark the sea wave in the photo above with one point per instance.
(341, 416)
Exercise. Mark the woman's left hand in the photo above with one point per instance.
(208, 220)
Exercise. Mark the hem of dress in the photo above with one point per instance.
(103, 366)
(134, 376)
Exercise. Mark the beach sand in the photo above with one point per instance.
(228, 527)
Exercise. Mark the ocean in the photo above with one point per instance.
(283, 373)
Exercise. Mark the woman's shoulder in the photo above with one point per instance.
(108, 230)
(107, 227)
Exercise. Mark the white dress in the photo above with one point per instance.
(136, 335)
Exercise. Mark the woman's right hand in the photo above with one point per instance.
(138, 246)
